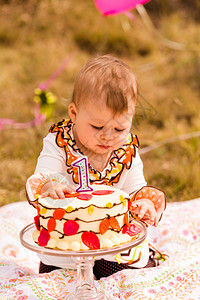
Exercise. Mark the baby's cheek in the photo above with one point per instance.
(86, 138)
(120, 139)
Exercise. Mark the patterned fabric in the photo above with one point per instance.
(178, 234)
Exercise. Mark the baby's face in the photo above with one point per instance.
(98, 129)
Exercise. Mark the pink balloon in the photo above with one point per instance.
(113, 7)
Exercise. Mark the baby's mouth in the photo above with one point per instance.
(106, 147)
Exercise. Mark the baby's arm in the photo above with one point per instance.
(52, 158)
(46, 184)
(148, 205)
(48, 179)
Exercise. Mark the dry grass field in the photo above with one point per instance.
(35, 38)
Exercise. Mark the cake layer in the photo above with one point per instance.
(108, 240)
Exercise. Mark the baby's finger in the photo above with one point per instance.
(60, 194)
(134, 209)
(152, 214)
(53, 194)
(142, 212)
(148, 221)
(150, 217)
(68, 190)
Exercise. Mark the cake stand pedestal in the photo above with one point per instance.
(85, 288)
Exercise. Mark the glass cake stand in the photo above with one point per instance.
(85, 288)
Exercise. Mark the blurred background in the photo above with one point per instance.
(162, 47)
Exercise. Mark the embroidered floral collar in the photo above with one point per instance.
(120, 159)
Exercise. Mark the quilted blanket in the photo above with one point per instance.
(177, 235)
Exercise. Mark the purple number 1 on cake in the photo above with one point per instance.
(82, 165)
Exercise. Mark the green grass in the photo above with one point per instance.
(36, 37)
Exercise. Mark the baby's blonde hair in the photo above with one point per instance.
(106, 78)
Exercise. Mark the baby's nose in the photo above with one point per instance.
(107, 134)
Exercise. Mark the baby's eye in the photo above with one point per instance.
(119, 130)
(97, 127)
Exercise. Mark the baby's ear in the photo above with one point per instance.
(72, 110)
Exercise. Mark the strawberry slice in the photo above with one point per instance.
(43, 237)
(85, 197)
(102, 192)
(91, 240)
(37, 222)
(70, 227)
(131, 229)
(104, 225)
(114, 223)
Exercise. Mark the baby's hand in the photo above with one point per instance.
(56, 190)
(145, 211)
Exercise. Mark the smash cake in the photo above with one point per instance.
(94, 219)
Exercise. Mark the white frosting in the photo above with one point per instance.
(106, 243)
(101, 201)
(52, 243)
(75, 246)
(62, 245)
